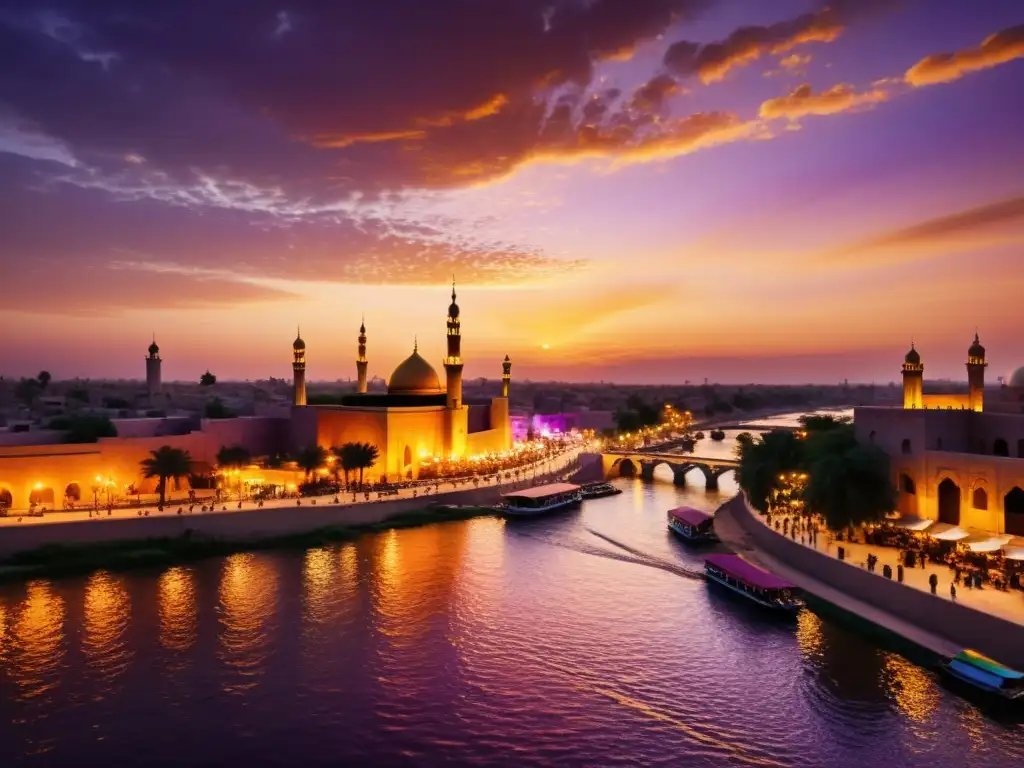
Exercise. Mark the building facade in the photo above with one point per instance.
(953, 460)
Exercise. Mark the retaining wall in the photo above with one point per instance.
(964, 626)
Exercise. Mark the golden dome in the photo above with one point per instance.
(414, 376)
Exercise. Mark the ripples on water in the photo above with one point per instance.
(577, 639)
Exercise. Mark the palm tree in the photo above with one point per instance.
(349, 460)
(167, 463)
(340, 465)
(365, 455)
(311, 458)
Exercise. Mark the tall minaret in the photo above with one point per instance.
(299, 369)
(153, 371)
(361, 362)
(976, 375)
(913, 379)
(506, 375)
(456, 415)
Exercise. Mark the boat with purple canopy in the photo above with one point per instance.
(745, 578)
(692, 525)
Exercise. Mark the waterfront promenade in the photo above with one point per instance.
(989, 620)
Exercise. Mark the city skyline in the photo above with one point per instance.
(661, 191)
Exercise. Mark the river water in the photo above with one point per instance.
(483, 642)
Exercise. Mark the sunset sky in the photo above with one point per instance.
(631, 190)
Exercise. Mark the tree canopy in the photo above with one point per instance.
(89, 428)
(311, 458)
(235, 456)
(207, 379)
(215, 409)
(167, 463)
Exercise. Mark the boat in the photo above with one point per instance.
(756, 584)
(717, 434)
(692, 524)
(987, 676)
(540, 499)
(599, 490)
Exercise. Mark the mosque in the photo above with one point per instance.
(417, 421)
(956, 458)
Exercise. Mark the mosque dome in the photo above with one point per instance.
(976, 349)
(298, 343)
(154, 350)
(913, 357)
(414, 376)
(1017, 378)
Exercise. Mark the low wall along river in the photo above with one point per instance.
(961, 626)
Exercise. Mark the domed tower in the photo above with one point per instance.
(361, 362)
(506, 375)
(976, 375)
(456, 415)
(500, 421)
(153, 362)
(913, 379)
(299, 369)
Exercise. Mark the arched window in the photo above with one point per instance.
(905, 446)
(73, 492)
(6, 500)
(907, 484)
(980, 499)
(1000, 448)
(407, 457)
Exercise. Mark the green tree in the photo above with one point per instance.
(763, 461)
(234, 457)
(167, 463)
(215, 409)
(44, 379)
(815, 422)
(89, 428)
(207, 379)
(849, 485)
(311, 458)
(27, 390)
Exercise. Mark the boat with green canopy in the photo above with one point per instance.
(986, 675)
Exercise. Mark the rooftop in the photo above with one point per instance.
(541, 491)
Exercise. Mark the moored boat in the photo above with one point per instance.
(691, 524)
(540, 499)
(756, 584)
(987, 676)
(599, 490)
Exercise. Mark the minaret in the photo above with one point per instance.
(299, 369)
(500, 421)
(506, 375)
(153, 371)
(913, 379)
(361, 362)
(976, 375)
(457, 416)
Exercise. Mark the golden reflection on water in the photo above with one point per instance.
(3, 633)
(915, 693)
(809, 637)
(36, 644)
(105, 625)
(349, 563)
(248, 602)
(319, 584)
(178, 610)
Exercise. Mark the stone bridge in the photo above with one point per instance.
(626, 464)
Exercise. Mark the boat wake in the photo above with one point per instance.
(648, 559)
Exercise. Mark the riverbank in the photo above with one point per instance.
(938, 626)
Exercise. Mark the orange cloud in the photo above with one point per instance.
(945, 67)
(795, 61)
(713, 61)
(487, 108)
(339, 141)
(803, 101)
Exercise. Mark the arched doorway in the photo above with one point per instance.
(907, 502)
(1000, 448)
(1013, 508)
(73, 492)
(627, 468)
(907, 484)
(949, 502)
(979, 499)
(407, 463)
(6, 500)
(43, 496)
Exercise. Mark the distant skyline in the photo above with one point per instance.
(635, 191)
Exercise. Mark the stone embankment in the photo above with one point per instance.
(937, 625)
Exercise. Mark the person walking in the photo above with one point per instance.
(933, 582)
(952, 592)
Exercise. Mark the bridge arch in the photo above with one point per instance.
(626, 468)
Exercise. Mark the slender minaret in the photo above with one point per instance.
(913, 379)
(500, 421)
(976, 375)
(299, 369)
(361, 362)
(456, 416)
(506, 375)
(153, 361)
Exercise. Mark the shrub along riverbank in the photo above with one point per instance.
(75, 559)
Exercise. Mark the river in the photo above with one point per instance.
(528, 642)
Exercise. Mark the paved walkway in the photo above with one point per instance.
(732, 533)
(1008, 605)
(544, 467)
